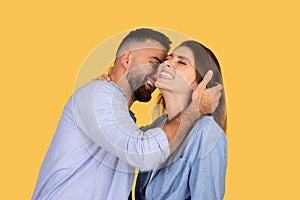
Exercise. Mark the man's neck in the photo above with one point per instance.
(121, 81)
(131, 100)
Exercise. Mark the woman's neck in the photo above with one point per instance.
(175, 103)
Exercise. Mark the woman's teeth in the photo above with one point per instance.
(166, 75)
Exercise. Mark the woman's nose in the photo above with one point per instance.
(168, 63)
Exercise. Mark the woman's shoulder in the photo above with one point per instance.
(207, 125)
(207, 133)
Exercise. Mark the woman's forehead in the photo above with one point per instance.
(184, 52)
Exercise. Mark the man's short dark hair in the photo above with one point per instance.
(143, 34)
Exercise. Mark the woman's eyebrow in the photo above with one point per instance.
(182, 57)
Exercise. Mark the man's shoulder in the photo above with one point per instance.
(96, 95)
(94, 84)
(102, 87)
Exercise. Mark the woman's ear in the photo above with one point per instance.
(194, 84)
(126, 59)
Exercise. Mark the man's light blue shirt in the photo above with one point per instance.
(96, 148)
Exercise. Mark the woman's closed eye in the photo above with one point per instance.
(181, 62)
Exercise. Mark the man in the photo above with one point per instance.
(97, 145)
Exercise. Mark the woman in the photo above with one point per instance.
(196, 170)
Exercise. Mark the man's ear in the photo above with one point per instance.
(110, 70)
(126, 59)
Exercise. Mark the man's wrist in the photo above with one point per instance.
(193, 111)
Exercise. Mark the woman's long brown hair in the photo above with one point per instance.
(206, 60)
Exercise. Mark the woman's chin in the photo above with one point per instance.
(162, 86)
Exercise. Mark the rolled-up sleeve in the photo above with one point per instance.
(101, 113)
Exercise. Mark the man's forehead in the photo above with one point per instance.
(152, 52)
(147, 45)
(147, 49)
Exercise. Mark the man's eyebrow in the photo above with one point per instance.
(156, 58)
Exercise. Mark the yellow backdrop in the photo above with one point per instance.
(43, 45)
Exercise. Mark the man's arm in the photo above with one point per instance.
(102, 119)
(115, 131)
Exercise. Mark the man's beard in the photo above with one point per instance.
(142, 94)
(138, 87)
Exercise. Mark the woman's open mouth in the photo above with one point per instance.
(166, 75)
